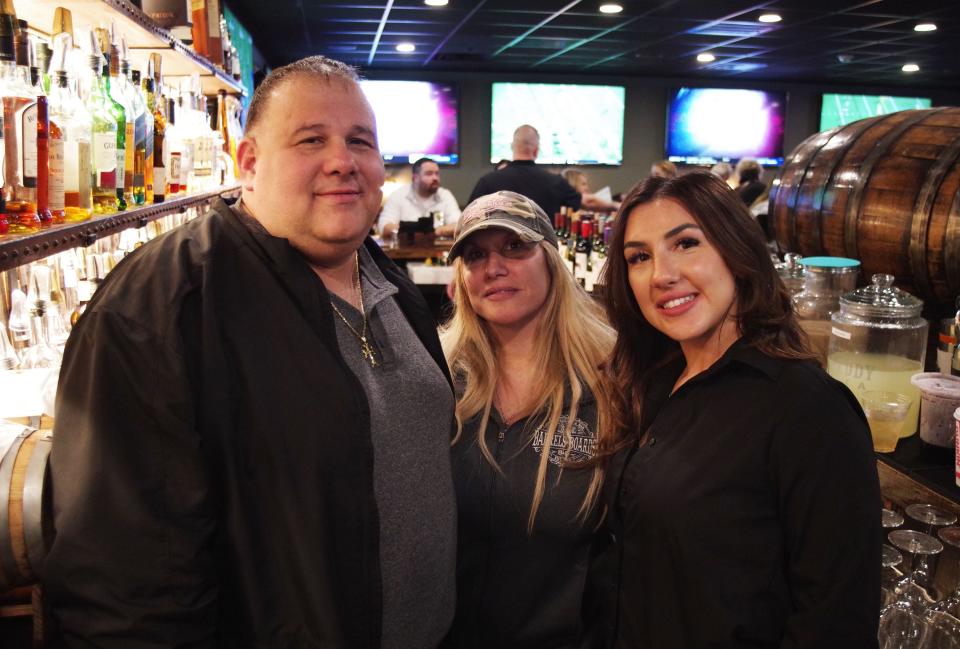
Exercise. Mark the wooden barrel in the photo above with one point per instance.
(25, 529)
(884, 190)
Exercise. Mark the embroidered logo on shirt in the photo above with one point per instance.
(582, 442)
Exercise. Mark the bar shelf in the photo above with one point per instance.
(16, 250)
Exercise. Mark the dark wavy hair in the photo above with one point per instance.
(764, 313)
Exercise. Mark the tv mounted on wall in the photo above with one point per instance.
(837, 110)
(415, 119)
(579, 124)
(710, 125)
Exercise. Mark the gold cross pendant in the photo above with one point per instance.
(367, 351)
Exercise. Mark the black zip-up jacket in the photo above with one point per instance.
(212, 464)
(517, 590)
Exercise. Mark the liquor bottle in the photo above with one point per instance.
(198, 14)
(119, 113)
(151, 103)
(105, 135)
(558, 218)
(141, 129)
(235, 129)
(42, 54)
(223, 128)
(159, 167)
(75, 123)
(159, 132)
(573, 236)
(43, 142)
(222, 120)
(172, 150)
(19, 158)
(50, 199)
(582, 254)
(21, 42)
(120, 91)
(235, 63)
(214, 33)
(206, 29)
(226, 56)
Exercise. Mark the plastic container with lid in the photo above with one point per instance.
(939, 398)
(825, 279)
(878, 341)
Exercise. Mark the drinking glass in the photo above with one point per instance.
(911, 592)
(901, 628)
(942, 631)
(889, 575)
(928, 519)
(951, 603)
(890, 520)
(886, 412)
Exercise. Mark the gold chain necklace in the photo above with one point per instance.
(366, 349)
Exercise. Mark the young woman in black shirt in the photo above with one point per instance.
(741, 484)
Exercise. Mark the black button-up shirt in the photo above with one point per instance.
(751, 515)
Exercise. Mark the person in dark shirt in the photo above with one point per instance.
(525, 345)
(750, 187)
(742, 489)
(522, 175)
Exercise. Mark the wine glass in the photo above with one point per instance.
(890, 520)
(910, 593)
(889, 575)
(928, 519)
(942, 631)
(951, 603)
(901, 628)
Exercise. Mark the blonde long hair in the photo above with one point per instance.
(573, 341)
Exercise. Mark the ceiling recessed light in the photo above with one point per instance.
(406, 48)
(435, 3)
(925, 27)
(770, 18)
(706, 57)
(610, 8)
(910, 67)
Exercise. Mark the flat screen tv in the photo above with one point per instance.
(710, 125)
(415, 119)
(578, 124)
(837, 110)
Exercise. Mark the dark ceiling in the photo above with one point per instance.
(842, 41)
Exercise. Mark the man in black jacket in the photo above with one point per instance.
(523, 176)
(242, 455)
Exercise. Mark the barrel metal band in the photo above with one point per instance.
(855, 201)
(854, 130)
(8, 562)
(922, 213)
(811, 148)
(951, 248)
(33, 504)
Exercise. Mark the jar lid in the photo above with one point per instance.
(833, 265)
(881, 300)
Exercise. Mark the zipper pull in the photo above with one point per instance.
(500, 435)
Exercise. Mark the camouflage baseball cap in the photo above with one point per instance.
(504, 209)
